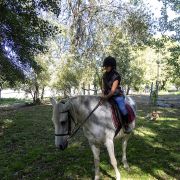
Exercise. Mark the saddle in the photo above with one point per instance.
(117, 117)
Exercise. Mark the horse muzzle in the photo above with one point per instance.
(63, 146)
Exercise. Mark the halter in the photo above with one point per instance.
(75, 130)
(69, 124)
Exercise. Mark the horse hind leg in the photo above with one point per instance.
(124, 146)
(96, 152)
(110, 147)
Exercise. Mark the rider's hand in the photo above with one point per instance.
(103, 98)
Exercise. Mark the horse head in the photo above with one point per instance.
(61, 122)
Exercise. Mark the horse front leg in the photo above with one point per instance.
(110, 147)
(96, 152)
(124, 146)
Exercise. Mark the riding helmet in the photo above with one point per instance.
(109, 61)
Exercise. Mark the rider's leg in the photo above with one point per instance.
(121, 104)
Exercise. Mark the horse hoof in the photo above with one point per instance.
(127, 167)
(96, 178)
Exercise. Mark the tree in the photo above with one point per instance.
(86, 30)
(177, 83)
(35, 83)
(66, 77)
(137, 23)
(130, 67)
(174, 60)
(172, 25)
(22, 36)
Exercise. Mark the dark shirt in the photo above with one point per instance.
(108, 79)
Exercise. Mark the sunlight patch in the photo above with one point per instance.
(75, 144)
(157, 145)
(7, 123)
(168, 118)
(173, 125)
(144, 132)
(161, 174)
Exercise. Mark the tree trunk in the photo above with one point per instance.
(0, 92)
(95, 89)
(42, 94)
(37, 91)
(88, 89)
(65, 93)
(127, 92)
(69, 91)
(163, 85)
(84, 89)
(36, 99)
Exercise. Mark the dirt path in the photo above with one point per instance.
(163, 100)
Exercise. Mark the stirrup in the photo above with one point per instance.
(127, 130)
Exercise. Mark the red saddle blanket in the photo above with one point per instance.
(131, 113)
(116, 115)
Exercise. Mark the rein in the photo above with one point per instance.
(75, 130)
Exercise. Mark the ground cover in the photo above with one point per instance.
(27, 148)
(12, 101)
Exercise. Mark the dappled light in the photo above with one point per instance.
(112, 49)
(7, 123)
(152, 150)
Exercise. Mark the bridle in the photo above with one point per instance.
(70, 132)
(70, 117)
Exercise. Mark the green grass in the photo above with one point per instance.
(169, 93)
(177, 93)
(11, 101)
(27, 148)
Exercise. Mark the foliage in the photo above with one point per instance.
(90, 31)
(128, 64)
(173, 24)
(165, 52)
(86, 34)
(138, 23)
(174, 60)
(154, 97)
(36, 82)
(177, 82)
(67, 77)
(23, 33)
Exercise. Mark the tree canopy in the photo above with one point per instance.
(63, 43)
(22, 35)
(168, 23)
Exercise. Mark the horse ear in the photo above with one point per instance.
(53, 101)
(65, 107)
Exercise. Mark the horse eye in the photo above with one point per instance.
(63, 123)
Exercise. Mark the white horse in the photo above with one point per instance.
(98, 127)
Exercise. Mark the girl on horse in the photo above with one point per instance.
(111, 82)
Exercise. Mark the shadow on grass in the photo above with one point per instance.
(156, 152)
(156, 161)
(106, 173)
(28, 148)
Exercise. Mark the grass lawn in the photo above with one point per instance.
(11, 101)
(27, 149)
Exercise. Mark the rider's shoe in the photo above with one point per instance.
(126, 127)
(127, 130)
